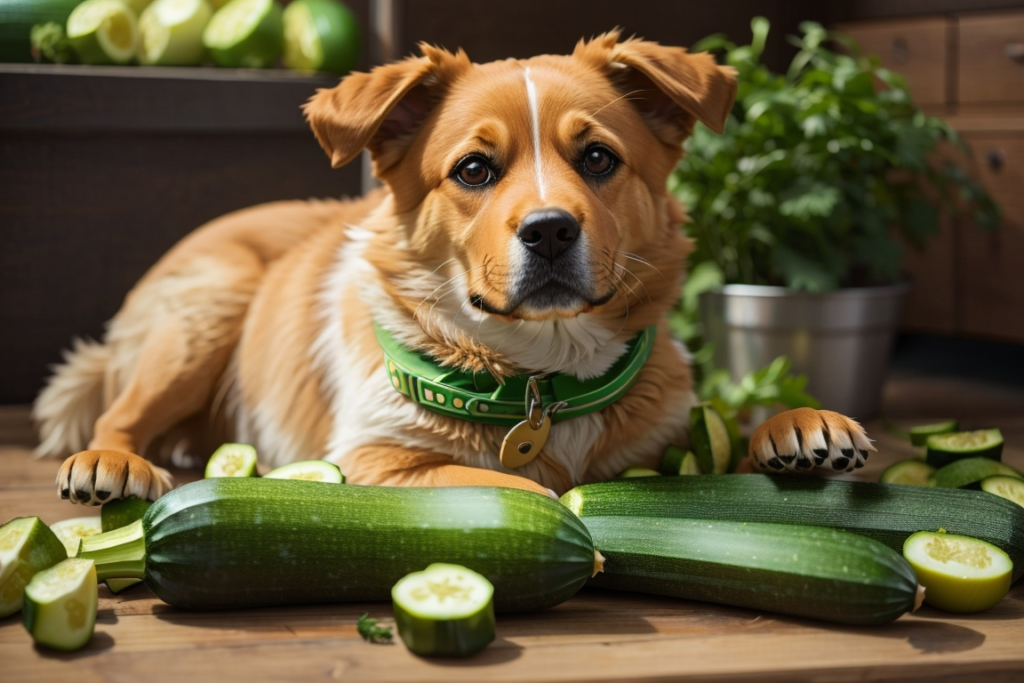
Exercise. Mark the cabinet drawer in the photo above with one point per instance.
(918, 49)
(931, 304)
(991, 266)
(991, 62)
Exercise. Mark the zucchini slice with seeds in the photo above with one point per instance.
(709, 438)
(232, 460)
(444, 611)
(959, 573)
(1010, 488)
(308, 470)
(944, 449)
(919, 435)
(72, 531)
(60, 605)
(911, 472)
(970, 471)
(27, 546)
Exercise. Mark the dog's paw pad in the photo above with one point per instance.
(800, 440)
(94, 477)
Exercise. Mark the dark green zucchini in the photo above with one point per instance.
(791, 569)
(888, 513)
(245, 542)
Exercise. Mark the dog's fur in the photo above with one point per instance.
(257, 327)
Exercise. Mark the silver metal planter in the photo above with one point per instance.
(841, 340)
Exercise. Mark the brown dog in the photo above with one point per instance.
(525, 231)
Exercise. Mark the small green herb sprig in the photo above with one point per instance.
(51, 44)
(370, 632)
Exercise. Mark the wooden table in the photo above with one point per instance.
(597, 635)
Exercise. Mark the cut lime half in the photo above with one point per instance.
(245, 33)
(171, 32)
(103, 32)
(320, 35)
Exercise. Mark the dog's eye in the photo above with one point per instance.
(473, 171)
(598, 161)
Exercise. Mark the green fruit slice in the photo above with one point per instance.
(245, 33)
(72, 531)
(103, 32)
(308, 470)
(919, 435)
(171, 32)
(959, 573)
(232, 460)
(946, 448)
(445, 611)
(910, 472)
(116, 586)
(27, 546)
(675, 461)
(119, 513)
(1010, 488)
(60, 605)
(970, 471)
(710, 440)
(636, 472)
(138, 6)
(320, 35)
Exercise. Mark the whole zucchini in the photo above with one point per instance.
(800, 570)
(888, 513)
(245, 542)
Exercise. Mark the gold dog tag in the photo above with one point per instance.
(523, 443)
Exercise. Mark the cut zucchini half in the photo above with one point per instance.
(171, 32)
(245, 33)
(675, 461)
(72, 531)
(1010, 488)
(308, 470)
(444, 611)
(27, 546)
(919, 435)
(60, 605)
(970, 471)
(944, 449)
(116, 586)
(959, 573)
(103, 32)
(710, 440)
(232, 460)
(911, 472)
(320, 35)
(119, 513)
(635, 472)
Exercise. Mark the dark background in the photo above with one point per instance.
(103, 170)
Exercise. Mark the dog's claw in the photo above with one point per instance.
(802, 439)
(94, 477)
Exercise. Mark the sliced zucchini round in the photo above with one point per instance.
(944, 449)
(119, 513)
(27, 546)
(444, 611)
(911, 472)
(232, 460)
(959, 573)
(709, 438)
(970, 471)
(103, 32)
(245, 33)
(1010, 488)
(919, 435)
(72, 531)
(60, 604)
(308, 470)
(171, 32)
(634, 472)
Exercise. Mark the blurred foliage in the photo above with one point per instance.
(819, 172)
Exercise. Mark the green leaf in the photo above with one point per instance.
(802, 273)
(369, 631)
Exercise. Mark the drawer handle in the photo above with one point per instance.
(995, 160)
(1015, 51)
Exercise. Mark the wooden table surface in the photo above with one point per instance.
(597, 635)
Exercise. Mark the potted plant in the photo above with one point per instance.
(800, 213)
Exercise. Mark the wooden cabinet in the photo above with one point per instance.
(970, 281)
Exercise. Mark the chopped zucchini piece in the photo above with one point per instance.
(1010, 488)
(171, 32)
(709, 438)
(27, 546)
(970, 471)
(959, 573)
(103, 32)
(634, 472)
(676, 461)
(245, 34)
(232, 460)
(444, 611)
(919, 435)
(308, 470)
(910, 472)
(72, 531)
(119, 513)
(944, 449)
(116, 586)
(60, 605)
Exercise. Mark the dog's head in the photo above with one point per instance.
(534, 190)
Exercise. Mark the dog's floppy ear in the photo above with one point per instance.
(671, 87)
(383, 109)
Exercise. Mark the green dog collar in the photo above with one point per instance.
(478, 397)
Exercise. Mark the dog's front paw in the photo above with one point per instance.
(802, 439)
(95, 477)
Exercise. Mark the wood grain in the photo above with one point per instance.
(987, 74)
(597, 635)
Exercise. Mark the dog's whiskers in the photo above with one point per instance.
(639, 281)
(639, 259)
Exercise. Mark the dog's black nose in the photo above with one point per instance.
(548, 232)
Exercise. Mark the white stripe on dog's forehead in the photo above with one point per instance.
(531, 96)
